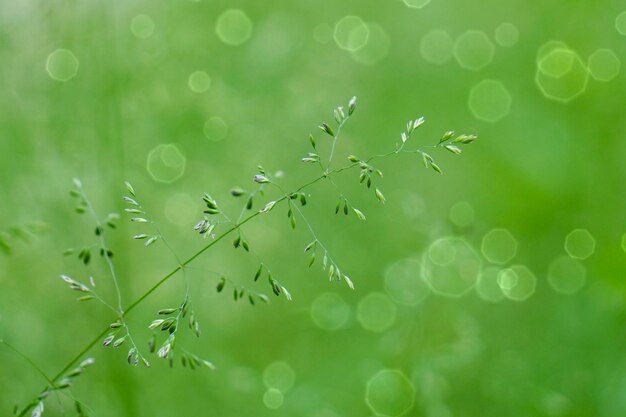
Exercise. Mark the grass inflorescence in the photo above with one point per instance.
(215, 226)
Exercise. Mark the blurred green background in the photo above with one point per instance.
(496, 289)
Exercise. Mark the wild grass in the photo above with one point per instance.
(215, 226)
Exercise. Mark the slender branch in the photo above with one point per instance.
(224, 234)
(30, 361)
(109, 261)
(250, 195)
(169, 247)
(103, 247)
(332, 149)
(173, 272)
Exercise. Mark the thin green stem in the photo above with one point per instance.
(104, 249)
(30, 361)
(109, 261)
(156, 228)
(332, 148)
(82, 353)
(173, 272)
(317, 240)
(250, 195)
(306, 221)
(193, 257)
(242, 234)
(103, 302)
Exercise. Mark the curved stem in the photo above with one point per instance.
(317, 240)
(30, 361)
(160, 234)
(104, 250)
(332, 149)
(193, 257)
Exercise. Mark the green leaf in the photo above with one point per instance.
(348, 281)
(221, 284)
(351, 106)
(119, 341)
(359, 214)
(269, 206)
(130, 188)
(380, 196)
(427, 159)
(324, 127)
(446, 136)
(261, 179)
(237, 192)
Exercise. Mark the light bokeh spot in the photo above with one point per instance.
(389, 393)
(166, 163)
(233, 27)
(489, 101)
(517, 283)
(404, 283)
(451, 266)
(273, 399)
(376, 48)
(548, 47)
(507, 35)
(580, 244)
(620, 23)
(181, 209)
(561, 75)
(442, 252)
(199, 81)
(499, 246)
(351, 33)
(488, 287)
(507, 279)
(624, 242)
(557, 62)
(416, 4)
(604, 65)
(566, 275)
(330, 312)
(142, 26)
(215, 129)
(474, 50)
(376, 312)
(62, 65)
(437, 46)
(279, 375)
(462, 214)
